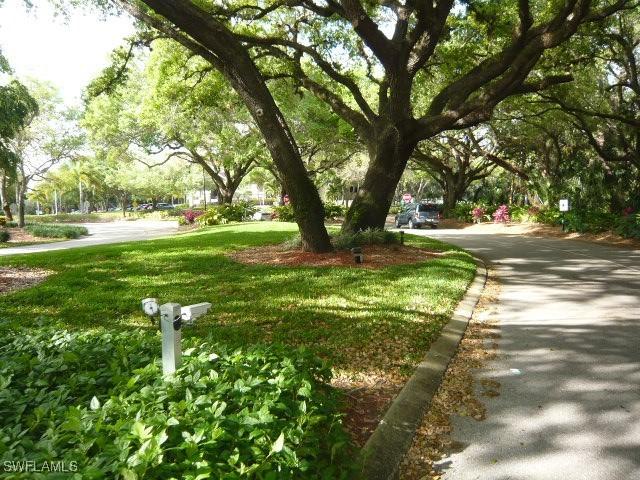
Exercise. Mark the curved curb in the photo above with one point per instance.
(387, 446)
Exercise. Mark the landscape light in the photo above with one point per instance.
(358, 257)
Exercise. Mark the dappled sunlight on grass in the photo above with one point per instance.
(390, 315)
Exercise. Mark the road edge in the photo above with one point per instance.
(383, 453)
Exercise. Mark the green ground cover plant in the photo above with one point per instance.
(55, 231)
(100, 400)
(357, 320)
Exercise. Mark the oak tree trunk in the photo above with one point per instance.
(388, 157)
(232, 59)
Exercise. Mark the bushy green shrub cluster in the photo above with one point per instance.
(463, 211)
(210, 217)
(225, 213)
(5, 236)
(333, 212)
(55, 231)
(3, 221)
(345, 241)
(628, 225)
(284, 213)
(236, 212)
(100, 400)
(395, 209)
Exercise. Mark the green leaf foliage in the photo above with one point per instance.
(100, 399)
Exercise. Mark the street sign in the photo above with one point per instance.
(406, 197)
(564, 205)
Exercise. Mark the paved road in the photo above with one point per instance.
(104, 233)
(569, 364)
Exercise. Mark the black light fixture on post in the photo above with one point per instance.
(358, 257)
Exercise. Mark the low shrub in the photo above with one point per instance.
(3, 221)
(55, 231)
(628, 225)
(345, 241)
(462, 211)
(501, 215)
(210, 217)
(225, 213)
(190, 216)
(100, 400)
(235, 212)
(284, 213)
(333, 212)
(5, 236)
(395, 209)
(589, 221)
(11, 224)
(478, 214)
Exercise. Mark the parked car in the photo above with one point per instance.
(416, 215)
(164, 206)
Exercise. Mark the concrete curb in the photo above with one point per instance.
(387, 446)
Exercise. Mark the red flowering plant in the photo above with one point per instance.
(478, 214)
(191, 215)
(501, 215)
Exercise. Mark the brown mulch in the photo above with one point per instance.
(375, 256)
(18, 235)
(18, 278)
(367, 400)
(457, 393)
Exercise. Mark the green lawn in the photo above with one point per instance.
(358, 319)
(96, 393)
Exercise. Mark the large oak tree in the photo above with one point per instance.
(479, 53)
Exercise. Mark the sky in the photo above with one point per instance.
(68, 53)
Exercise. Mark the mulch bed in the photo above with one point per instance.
(366, 404)
(18, 235)
(18, 278)
(375, 256)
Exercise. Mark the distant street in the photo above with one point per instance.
(568, 363)
(104, 233)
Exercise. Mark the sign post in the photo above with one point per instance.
(564, 207)
(171, 322)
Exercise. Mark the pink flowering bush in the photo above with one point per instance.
(478, 214)
(190, 216)
(501, 215)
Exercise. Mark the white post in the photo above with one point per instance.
(171, 321)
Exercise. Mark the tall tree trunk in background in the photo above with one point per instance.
(80, 205)
(21, 191)
(123, 199)
(6, 206)
(216, 44)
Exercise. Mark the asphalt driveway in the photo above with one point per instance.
(104, 233)
(568, 364)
